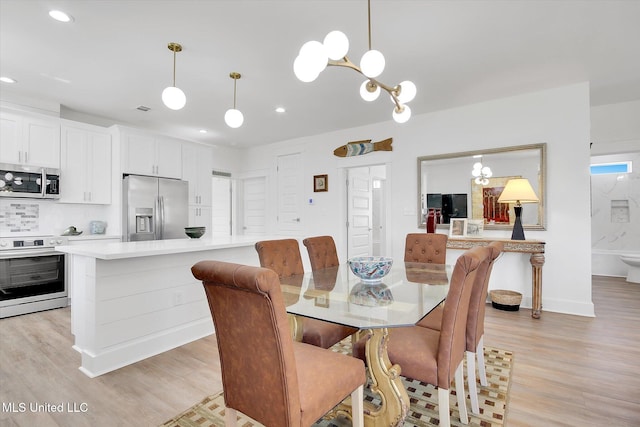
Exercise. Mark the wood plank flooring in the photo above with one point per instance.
(568, 370)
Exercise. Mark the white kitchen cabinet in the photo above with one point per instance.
(85, 164)
(200, 216)
(197, 164)
(146, 154)
(29, 139)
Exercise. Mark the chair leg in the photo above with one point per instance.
(462, 396)
(357, 407)
(443, 407)
(481, 369)
(230, 417)
(471, 380)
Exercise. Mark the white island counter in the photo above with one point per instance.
(133, 300)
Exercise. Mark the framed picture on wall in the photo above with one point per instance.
(458, 227)
(320, 183)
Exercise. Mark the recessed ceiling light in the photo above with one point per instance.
(59, 15)
(7, 80)
(280, 110)
(203, 131)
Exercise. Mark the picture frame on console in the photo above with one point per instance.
(458, 227)
(475, 227)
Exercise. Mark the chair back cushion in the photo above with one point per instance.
(478, 301)
(322, 252)
(257, 359)
(281, 256)
(426, 247)
(452, 341)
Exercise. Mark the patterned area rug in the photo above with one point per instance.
(424, 400)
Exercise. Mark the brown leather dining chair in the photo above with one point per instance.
(436, 356)
(324, 256)
(283, 257)
(475, 325)
(426, 247)
(266, 375)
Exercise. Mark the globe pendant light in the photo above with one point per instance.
(233, 117)
(172, 96)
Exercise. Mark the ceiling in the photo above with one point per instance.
(113, 58)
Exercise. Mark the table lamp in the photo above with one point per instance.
(518, 191)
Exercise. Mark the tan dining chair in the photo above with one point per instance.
(266, 375)
(475, 325)
(426, 247)
(283, 257)
(323, 257)
(436, 356)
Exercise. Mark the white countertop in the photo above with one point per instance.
(120, 250)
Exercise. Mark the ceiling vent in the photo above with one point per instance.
(143, 108)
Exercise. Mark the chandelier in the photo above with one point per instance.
(314, 57)
(481, 173)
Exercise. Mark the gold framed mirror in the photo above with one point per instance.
(455, 186)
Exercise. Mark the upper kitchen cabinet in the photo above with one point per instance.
(197, 164)
(85, 164)
(29, 139)
(146, 154)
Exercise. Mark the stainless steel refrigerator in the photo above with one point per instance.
(154, 208)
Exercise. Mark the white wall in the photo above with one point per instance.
(560, 117)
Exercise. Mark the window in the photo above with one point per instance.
(610, 168)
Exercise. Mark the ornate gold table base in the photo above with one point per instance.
(385, 382)
(533, 247)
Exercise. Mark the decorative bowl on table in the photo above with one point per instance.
(370, 269)
(195, 232)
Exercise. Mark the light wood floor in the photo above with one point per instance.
(568, 370)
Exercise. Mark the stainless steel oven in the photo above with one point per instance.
(32, 275)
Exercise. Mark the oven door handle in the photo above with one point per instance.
(27, 253)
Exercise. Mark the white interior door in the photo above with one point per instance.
(254, 206)
(289, 194)
(359, 212)
(221, 206)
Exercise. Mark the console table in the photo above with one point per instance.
(533, 247)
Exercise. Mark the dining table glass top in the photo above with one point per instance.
(404, 296)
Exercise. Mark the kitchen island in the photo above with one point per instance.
(133, 300)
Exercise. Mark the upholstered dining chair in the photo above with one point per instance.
(436, 356)
(426, 247)
(475, 324)
(283, 257)
(266, 375)
(323, 255)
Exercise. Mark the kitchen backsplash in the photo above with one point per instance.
(48, 217)
(16, 217)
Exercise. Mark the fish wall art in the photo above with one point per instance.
(358, 148)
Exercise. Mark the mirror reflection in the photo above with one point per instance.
(468, 184)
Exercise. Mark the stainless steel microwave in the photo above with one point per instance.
(29, 181)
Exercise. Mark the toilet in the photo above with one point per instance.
(633, 264)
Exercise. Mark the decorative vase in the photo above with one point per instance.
(431, 221)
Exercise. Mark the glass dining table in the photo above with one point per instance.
(404, 296)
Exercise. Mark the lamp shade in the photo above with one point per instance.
(518, 190)
(174, 98)
(233, 118)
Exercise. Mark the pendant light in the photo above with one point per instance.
(233, 117)
(314, 57)
(172, 96)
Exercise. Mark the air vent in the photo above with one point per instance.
(220, 173)
(143, 108)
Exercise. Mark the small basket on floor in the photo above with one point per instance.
(506, 300)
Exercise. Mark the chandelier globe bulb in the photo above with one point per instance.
(336, 44)
(372, 63)
(408, 91)
(403, 115)
(369, 91)
(233, 118)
